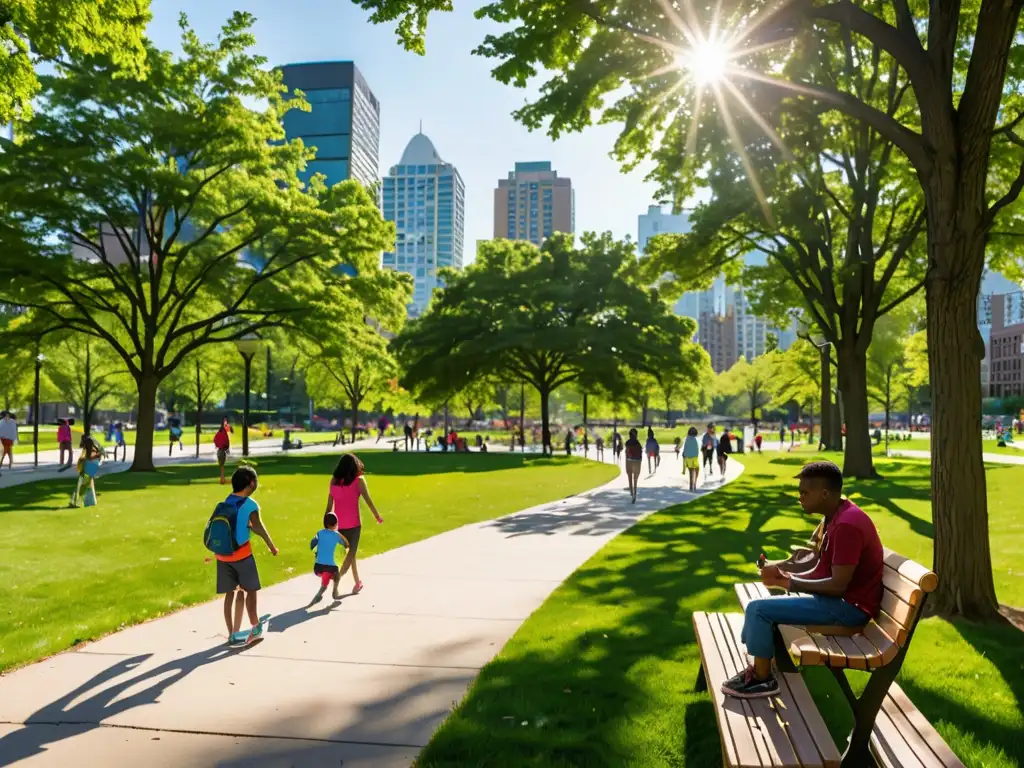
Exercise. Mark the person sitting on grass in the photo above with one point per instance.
(237, 577)
(843, 588)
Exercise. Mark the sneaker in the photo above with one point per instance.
(255, 633)
(357, 588)
(746, 686)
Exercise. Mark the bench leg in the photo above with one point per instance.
(865, 710)
(701, 683)
(844, 685)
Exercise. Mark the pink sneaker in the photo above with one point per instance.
(357, 588)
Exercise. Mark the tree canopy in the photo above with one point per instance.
(52, 30)
(166, 214)
(546, 316)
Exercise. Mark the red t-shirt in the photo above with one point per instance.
(851, 539)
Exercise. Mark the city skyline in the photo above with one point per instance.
(461, 106)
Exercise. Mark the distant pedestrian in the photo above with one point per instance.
(408, 435)
(382, 424)
(599, 448)
(782, 437)
(119, 442)
(679, 444)
(8, 437)
(708, 444)
(758, 439)
(634, 463)
(222, 442)
(691, 457)
(568, 442)
(89, 461)
(653, 452)
(64, 441)
(174, 434)
(724, 449)
(616, 445)
(347, 486)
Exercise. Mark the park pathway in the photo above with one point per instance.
(360, 683)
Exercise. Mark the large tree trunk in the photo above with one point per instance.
(962, 557)
(825, 409)
(143, 459)
(355, 417)
(545, 421)
(853, 385)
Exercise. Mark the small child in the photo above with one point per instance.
(326, 567)
(679, 444)
(89, 461)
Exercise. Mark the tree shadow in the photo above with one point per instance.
(88, 705)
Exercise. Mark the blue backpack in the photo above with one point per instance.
(219, 537)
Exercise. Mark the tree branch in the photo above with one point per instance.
(1011, 195)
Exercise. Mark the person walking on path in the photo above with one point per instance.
(634, 462)
(708, 444)
(568, 442)
(347, 486)
(237, 576)
(691, 457)
(724, 449)
(782, 437)
(222, 442)
(599, 448)
(616, 445)
(64, 441)
(653, 451)
(758, 439)
(679, 444)
(119, 442)
(843, 586)
(407, 429)
(8, 437)
(174, 433)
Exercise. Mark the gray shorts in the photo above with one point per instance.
(242, 573)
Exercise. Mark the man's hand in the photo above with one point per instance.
(771, 572)
(775, 578)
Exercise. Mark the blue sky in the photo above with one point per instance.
(464, 111)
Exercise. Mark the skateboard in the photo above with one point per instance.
(244, 636)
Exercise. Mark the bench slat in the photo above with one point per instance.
(915, 572)
(763, 722)
(871, 654)
(738, 747)
(887, 648)
(802, 648)
(829, 647)
(904, 589)
(899, 610)
(854, 655)
(806, 731)
(892, 628)
(889, 745)
(897, 700)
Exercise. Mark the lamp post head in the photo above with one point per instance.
(248, 345)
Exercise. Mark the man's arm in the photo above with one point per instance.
(256, 524)
(833, 585)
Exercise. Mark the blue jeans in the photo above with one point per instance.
(762, 616)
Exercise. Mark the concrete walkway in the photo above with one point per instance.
(363, 682)
(992, 458)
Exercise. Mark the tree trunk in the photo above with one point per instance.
(522, 417)
(143, 459)
(825, 409)
(853, 384)
(643, 413)
(545, 421)
(355, 417)
(584, 411)
(199, 407)
(962, 556)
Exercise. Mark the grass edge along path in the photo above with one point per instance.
(70, 576)
(602, 674)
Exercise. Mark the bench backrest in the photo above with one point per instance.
(904, 585)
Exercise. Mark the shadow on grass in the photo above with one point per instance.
(55, 494)
(603, 673)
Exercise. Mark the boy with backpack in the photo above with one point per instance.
(228, 537)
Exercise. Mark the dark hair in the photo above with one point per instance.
(348, 470)
(243, 478)
(692, 432)
(650, 432)
(632, 434)
(711, 425)
(330, 519)
(823, 470)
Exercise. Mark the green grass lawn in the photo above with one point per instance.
(603, 673)
(69, 575)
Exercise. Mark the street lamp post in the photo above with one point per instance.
(35, 409)
(247, 347)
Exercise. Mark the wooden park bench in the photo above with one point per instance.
(787, 729)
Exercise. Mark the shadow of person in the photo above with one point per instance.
(102, 702)
(285, 621)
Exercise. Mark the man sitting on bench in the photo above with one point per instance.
(842, 587)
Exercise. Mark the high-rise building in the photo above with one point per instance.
(1006, 345)
(658, 221)
(993, 284)
(533, 203)
(717, 334)
(426, 199)
(343, 124)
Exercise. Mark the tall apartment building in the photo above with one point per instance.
(660, 220)
(426, 199)
(1006, 346)
(717, 334)
(993, 285)
(533, 203)
(343, 125)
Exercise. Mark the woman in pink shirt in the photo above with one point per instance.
(347, 485)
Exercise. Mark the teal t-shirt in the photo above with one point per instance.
(326, 541)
